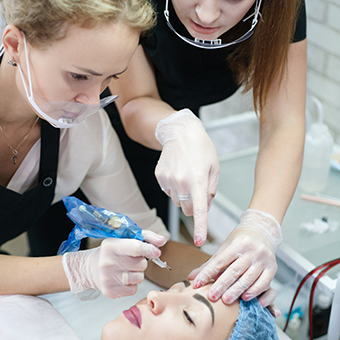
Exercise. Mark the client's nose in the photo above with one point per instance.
(156, 301)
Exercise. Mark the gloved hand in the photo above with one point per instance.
(188, 168)
(245, 263)
(115, 268)
(267, 300)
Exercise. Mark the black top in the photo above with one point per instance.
(188, 76)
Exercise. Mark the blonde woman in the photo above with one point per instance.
(56, 59)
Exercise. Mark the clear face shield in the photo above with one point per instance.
(217, 43)
(61, 114)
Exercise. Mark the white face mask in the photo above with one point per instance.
(61, 114)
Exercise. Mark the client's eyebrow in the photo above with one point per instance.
(207, 303)
(186, 283)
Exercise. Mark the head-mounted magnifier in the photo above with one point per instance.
(217, 43)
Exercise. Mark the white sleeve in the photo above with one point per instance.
(32, 318)
(109, 182)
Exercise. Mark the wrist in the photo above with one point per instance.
(263, 222)
(166, 128)
(78, 270)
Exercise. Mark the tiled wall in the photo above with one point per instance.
(323, 79)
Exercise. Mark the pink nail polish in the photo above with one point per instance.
(248, 298)
(213, 295)
(198, 241)
(227, 298)
(198, 284)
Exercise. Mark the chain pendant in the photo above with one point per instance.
(14, 158)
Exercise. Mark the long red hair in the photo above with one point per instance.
(258, 61)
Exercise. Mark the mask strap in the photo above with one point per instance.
(30, 96)
(255, 14)
(166, 11)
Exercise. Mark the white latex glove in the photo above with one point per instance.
(188, 168)
(245, 263)
(267, 300)
(115, 268)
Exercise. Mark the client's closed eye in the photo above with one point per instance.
(187, 316)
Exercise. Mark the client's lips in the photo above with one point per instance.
(134, 316)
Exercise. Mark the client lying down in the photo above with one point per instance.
(179, 313)
(185, 313)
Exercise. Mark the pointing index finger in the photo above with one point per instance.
(200, 206)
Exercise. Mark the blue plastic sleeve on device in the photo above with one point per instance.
(96, 222)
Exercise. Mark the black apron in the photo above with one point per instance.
(20, 212)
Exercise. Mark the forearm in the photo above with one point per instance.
(282, 136)
(277, 170)
(181, 258)
(140, 117)
(139, 103)
(32, 275)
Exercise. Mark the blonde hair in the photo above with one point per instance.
(46, 21)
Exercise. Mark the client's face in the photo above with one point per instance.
(179, 313)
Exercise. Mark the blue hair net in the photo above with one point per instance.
(254, 322)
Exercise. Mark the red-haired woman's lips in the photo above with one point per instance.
(134, 316)
(203, 30)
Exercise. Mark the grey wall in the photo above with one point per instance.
(324, 58)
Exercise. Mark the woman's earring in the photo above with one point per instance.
(12, 62)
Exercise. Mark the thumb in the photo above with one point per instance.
(194, 273)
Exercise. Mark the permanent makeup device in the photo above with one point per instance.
(97, 222)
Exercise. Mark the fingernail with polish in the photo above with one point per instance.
(227, 298)
(198, 241)
(213, 295)
(197, 284)
(248, 297)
